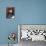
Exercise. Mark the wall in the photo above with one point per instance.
(31, 11)
(6, 25)
(27, 12)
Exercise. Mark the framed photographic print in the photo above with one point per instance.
(10, 12)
